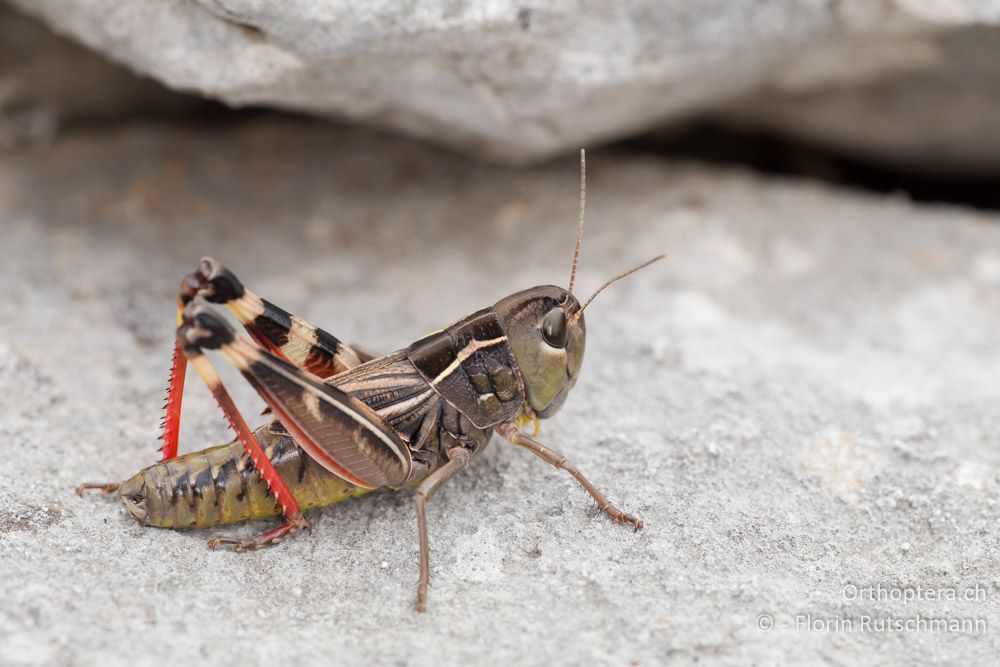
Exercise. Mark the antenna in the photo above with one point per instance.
(608, 282)
(583, 206)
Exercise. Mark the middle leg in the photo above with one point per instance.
(458, 458)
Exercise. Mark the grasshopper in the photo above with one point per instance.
(346, 422)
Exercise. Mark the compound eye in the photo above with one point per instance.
(555, 329)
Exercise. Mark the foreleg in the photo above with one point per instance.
(509, 431)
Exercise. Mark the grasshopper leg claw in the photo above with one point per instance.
(265, 539)
(421, 605)
(619, 516)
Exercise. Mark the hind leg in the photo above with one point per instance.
(289, 337)
(191, 336)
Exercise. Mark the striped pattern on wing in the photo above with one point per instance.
(393, 388)
(342, 433)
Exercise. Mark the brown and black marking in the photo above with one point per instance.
(286, 335)
(471, 366)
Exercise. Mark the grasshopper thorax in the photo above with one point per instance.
(547, 335)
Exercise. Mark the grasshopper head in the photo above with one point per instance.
(546, 331)
(547, 334)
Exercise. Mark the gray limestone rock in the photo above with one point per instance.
(521, 80)
(801, 402)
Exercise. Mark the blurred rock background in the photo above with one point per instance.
(801, 398)
(908, 83)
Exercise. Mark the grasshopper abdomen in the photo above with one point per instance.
(220, 485)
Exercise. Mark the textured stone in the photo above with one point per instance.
(523, 80)
(801, 399)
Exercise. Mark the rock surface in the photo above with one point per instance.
(522, 80)
(801, 399)
(48, 82)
